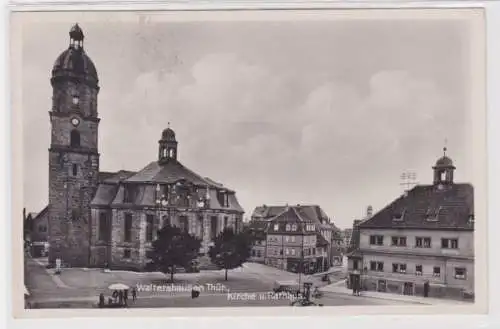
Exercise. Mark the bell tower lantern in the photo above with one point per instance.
(443, 170)
(167, 149)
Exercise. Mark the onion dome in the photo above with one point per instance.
(74, 63)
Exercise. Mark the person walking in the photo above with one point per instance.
(101, 300)
(120, 297)
(426, 289)
(134, 294)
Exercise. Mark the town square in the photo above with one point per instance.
(173, 213)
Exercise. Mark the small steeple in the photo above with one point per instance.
(167, 145)
(443, 170)
(76, 37)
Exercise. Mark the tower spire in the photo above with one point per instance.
(445, 148)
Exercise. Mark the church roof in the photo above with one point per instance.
(428, 207)
(114, 177)
(169, 172)
(74, 63)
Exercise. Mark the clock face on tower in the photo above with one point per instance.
(75, 122)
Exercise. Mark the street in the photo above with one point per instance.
(221, 300)
(247, 286)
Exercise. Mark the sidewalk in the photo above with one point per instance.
(340, 288)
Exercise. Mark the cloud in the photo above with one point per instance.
(241, 124)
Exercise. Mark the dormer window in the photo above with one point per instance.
(129, 194)
(294, 227)
(223, 199)
(288, 227)
(432, 216)
(399, 216)
(276, 227)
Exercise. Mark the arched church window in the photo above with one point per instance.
(164, 153)
(75, 138)
(171, 153)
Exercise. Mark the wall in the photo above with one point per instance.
(113, 252)
(40, 228)
(465, 242)
(446, 285)
(278, 242)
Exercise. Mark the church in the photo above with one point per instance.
(111, 218)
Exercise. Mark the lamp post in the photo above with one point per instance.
(301, 263)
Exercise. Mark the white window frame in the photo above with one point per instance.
(276, 227)
(460, 276)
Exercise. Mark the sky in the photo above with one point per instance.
(311, 112)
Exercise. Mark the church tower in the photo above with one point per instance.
(73, 153)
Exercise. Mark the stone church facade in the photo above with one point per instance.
(97, 218)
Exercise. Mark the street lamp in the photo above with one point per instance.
(301, 264)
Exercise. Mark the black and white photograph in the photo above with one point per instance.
(257, 160)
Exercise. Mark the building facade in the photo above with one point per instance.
(38, 233)
(293, 233)
(292, 243)
(99, 218)
(422, 243)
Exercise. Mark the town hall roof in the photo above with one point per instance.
(428, 207)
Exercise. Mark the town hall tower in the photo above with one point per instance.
(73, 153)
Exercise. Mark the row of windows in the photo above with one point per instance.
(293, 227)
(420, 242)
(293, 252)
(177, 194)
(308, 239)
(460, 272)
(105, 226)
(257, 253)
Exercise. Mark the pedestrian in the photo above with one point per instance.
(195, 291)
(426, 289)
(115, 295)
(120, 297)
(125, 296)
(134, 294)
(101, 300)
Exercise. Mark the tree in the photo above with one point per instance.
(172, 248)
(230, 250)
